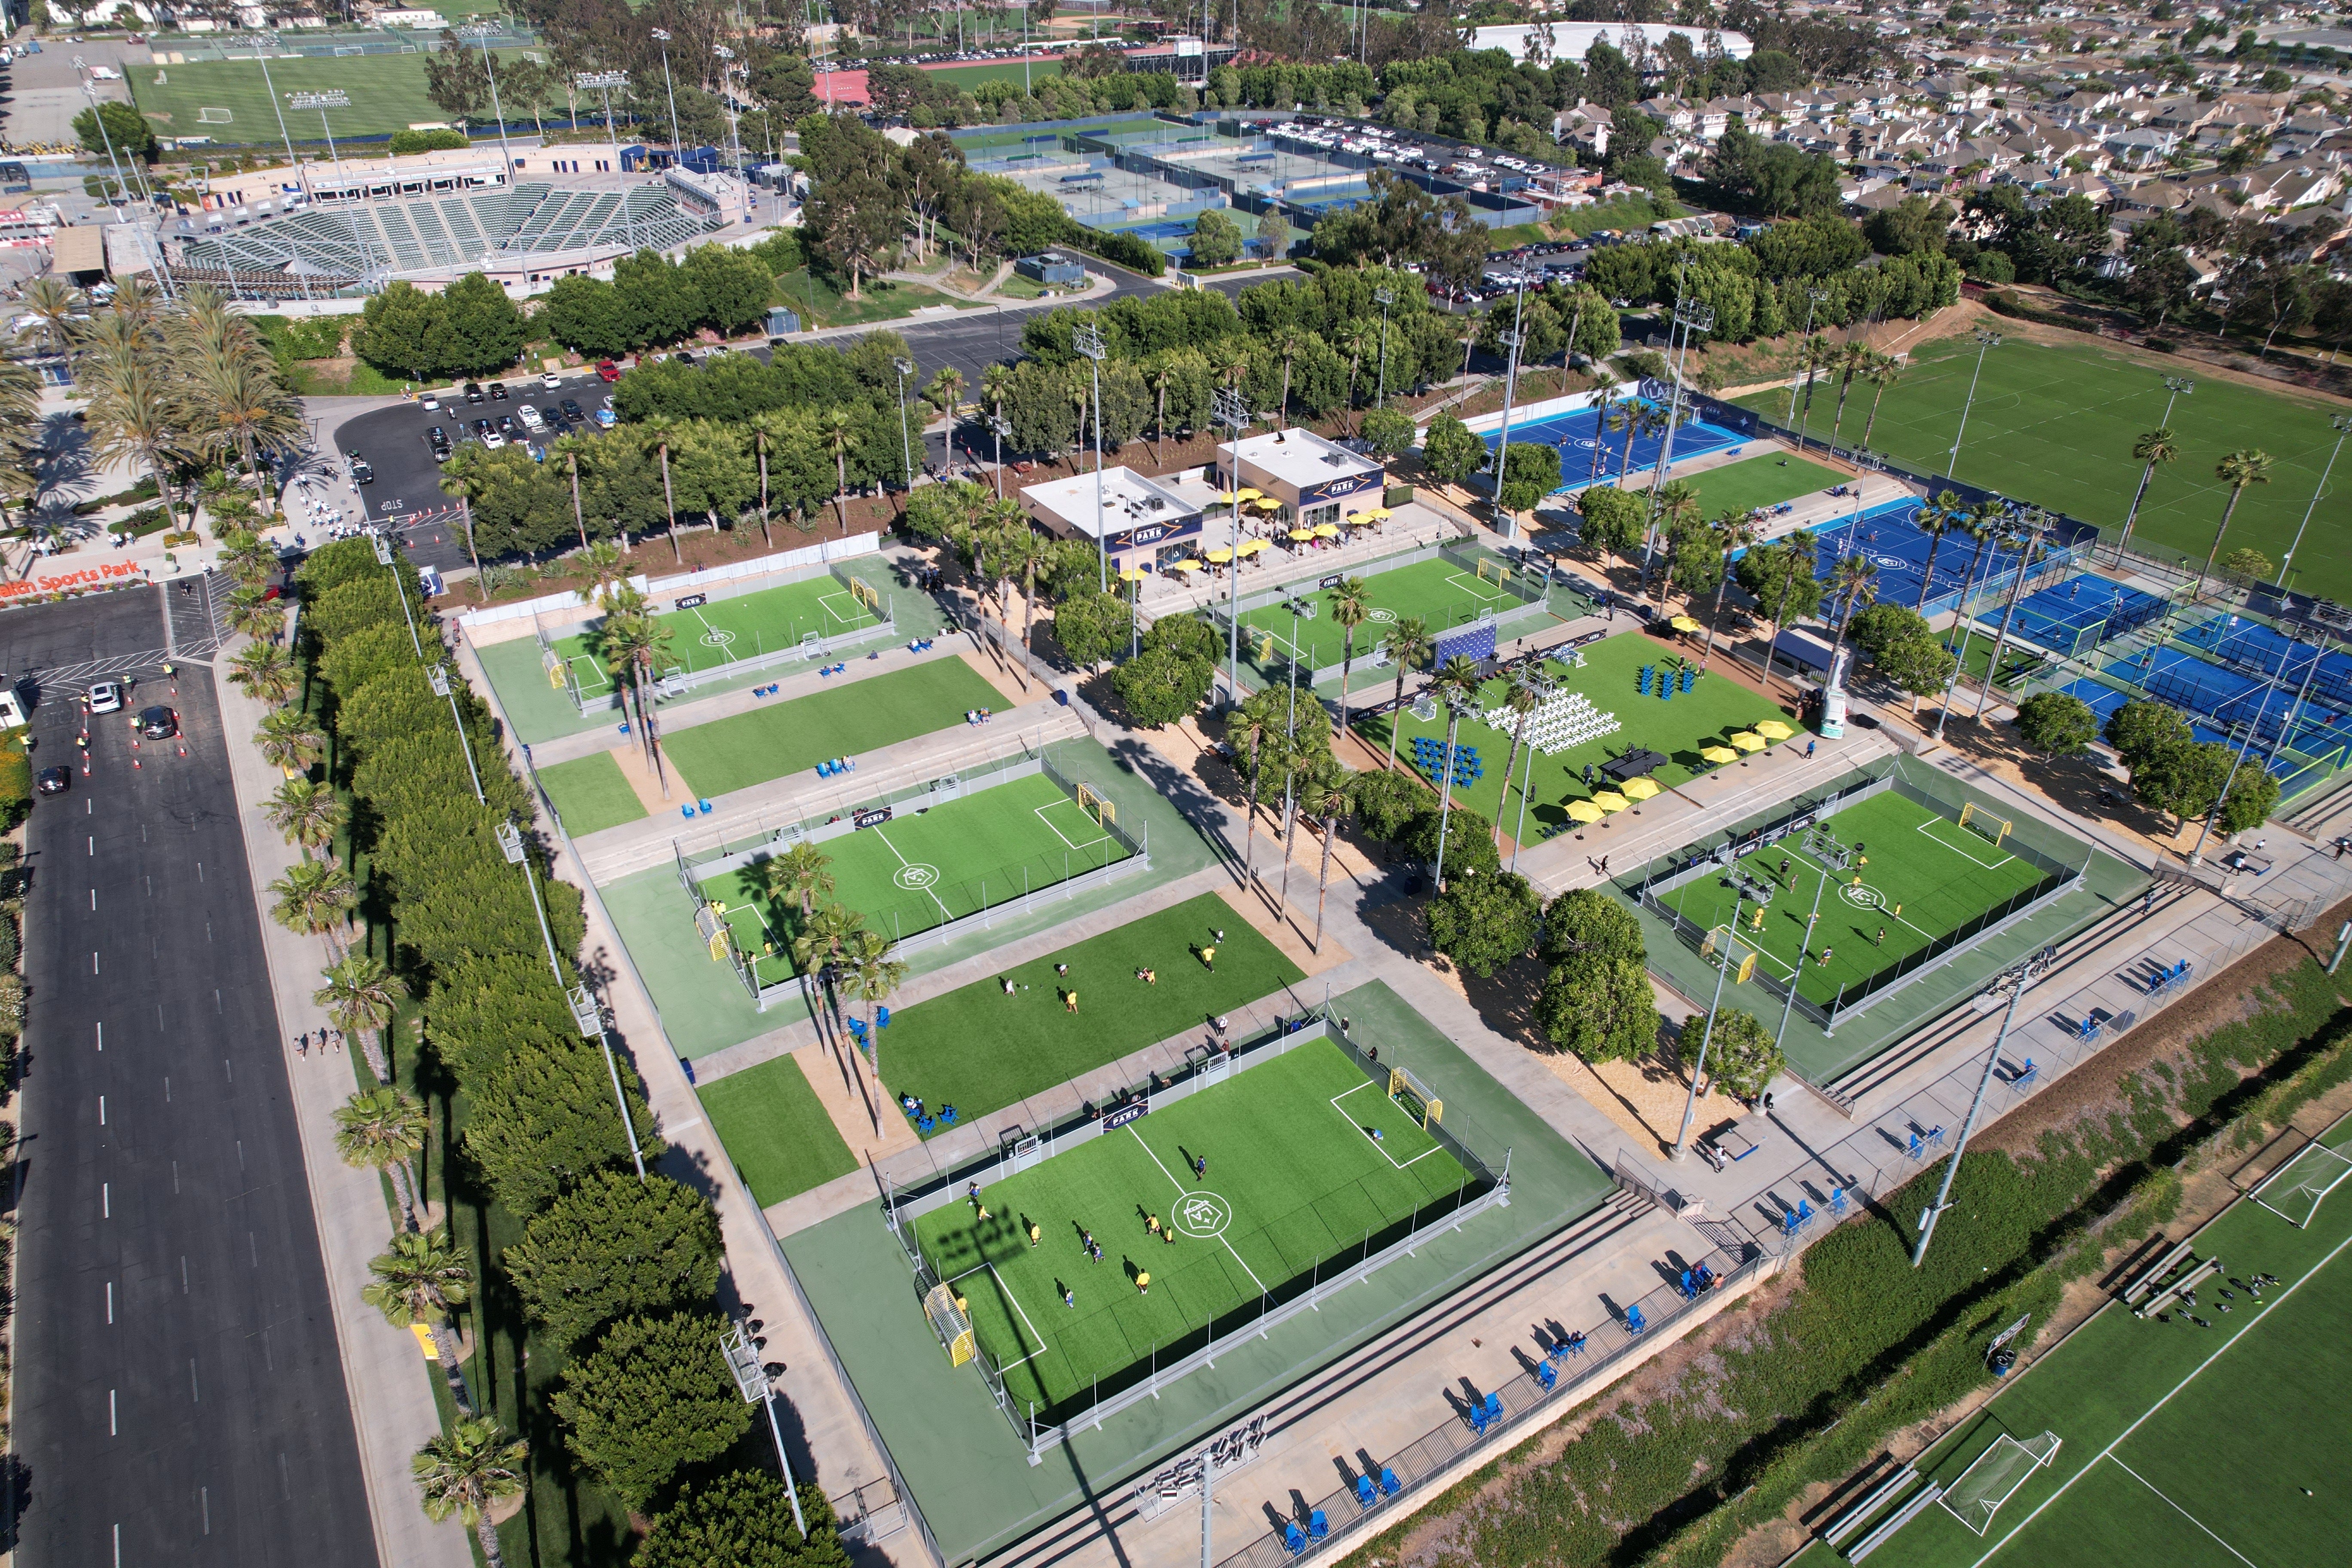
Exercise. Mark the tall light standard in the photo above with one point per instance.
(481, 33)
(1694, 317)
(1542, 683)
(2343, 423)
(1804, 376)
(2016, 980)
(1458, 704)
(1385, 298)
(602, 83)
(1088, 341)
(1968, 624)
(727, 68)
(1986, 342)
(1790, 1006)
(661, 36)
(436, 674)
(1510, 342)
(1724, 961)
(2029, 538)
(1232, 411)
(906, 441)
(2253, 734)
(261, 44)
(334, 98)
(751, 1381)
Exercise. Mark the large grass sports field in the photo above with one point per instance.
(1923, 877)
(1295, 1179)
(725, 631)
(1767, 481)
(2055, 425)
(924, 870)
(227, 101)
(1714, 707)
(843, 721)
(2222, 1445)
(778, 1132)
(1437, 591)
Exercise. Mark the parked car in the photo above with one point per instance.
(105, 697)
(473, 392)
(608, 371)
(551, 381)
(606, 418)
(159, 722)
(572, 411)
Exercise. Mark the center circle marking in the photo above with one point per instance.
(1384, 616)
(1862, 897)
(1203, 1215)
(917, 876)
(717, 637)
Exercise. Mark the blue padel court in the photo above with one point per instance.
(1590, 455)
(1900, 548)
(2261, 650)
(2077, 615)
(2233, 698)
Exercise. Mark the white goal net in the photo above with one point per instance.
(2294, 1191)
(1995, 1477)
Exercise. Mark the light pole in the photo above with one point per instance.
(1510, 341)
(2029, 536)
(677, 144)
(602, 83)
(1541, 683)
(2343, 423)
(1232, 411)
(1722, 963)
(727, 68)
(2253, 734)
(2176, 386)
(906, 441)
(1805, 367)
(2017, 979)
(1385, 297)
(1986, 342)
(261, 44)
(751, 1381)
(1694, 317)
(1457, 704)
(1088, 341)
(1968, 624)
(322, 102)
(1804, 942)
(481, 31)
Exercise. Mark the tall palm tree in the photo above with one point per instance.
(1457, 684)
(1351, 606)
(422, 1280)
(361, 993)
(660, 431)
(606, 571)
(237, 404)
(2246, 466)
(1252, 726)
(1803, 548)
(801, 874)
(1079, 390)
(995, 387)
(632, 640)
(1158, 380)
(133, 420)
(873, 978)
(1290, 343)
(1882, 373)
(1625, 417)
(1327, 792)
(1522, 698)
(1021, 549)
(263, 672)
(1854, 582)
(1677, 503)
(382, 1128)
(468, 1470)
(52, 302)
(1408, 646)
(945, 392)
(1937, 515)
(825, 936)
(1851, 360)
(308, 812)
(252, 616)
(1735, 532)
(247, 557)
(1812, 357)
(289, 741)
(841, 438)
(765, 426)
(2154, 446)
(1983, 524)
(1361, 340)
(1604, 407)
(312, 899)
(568, 447)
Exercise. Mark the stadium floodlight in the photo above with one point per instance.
(661, 36)
(1459, 704)
(333, 98)
(1986, 343)
(2343, 423)
(1693, 317)
(1088, 340)
(1510, 381)
(2016, 980)
(2031, 527)
(905, 367)
(482, 32)
(741, 1350)
(1805, 365)
(261, 44)
(1384, 297)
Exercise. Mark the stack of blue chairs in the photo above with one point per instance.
(826, 770)
(1649, 673)
(1690, 677)
(1429, 760)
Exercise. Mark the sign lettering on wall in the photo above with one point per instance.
(875, 817)
(1332, 490)
(1149, 534)
(1133, 1110)
(106, 574)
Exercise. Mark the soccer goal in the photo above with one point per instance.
(950, 1322)
(1823, 845)
(2294, 1191)
(1415, 1097)
(865, 594)
(1984, 824)
(215, 117)
(1720, 940)
(1103, 811)
(1995, 1477)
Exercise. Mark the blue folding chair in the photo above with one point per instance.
(1294, 1539)
(1837, 1205)
(686, 810)
(925, 1123)
(1494, 1407)
(2025, 1074)
(1635, 1323)
(1545, 1376)
(1365, 1495)
(705, 807)
(1390, 1486)
(948, 1114)
(1917, 1150)
(1318, 1526)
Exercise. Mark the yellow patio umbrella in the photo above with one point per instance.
(1376, 515)
(1773, 729)
(1251, 546)
(1718, 754)
(1132, 573)
(1187, 564)
(1302, 533)
(1684, 624)
(1327, 531)
(1639, 789)
(1610, 800)
(1747, 743)
(1247, 494)
(1220, 554)
(1585, 811)
(1266, 504)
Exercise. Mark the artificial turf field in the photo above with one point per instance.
(591, 795)
(927, 868)
(1753, 482)
(387, 93)
(2180, 1445)
(726, 630)
(1294, 1180)
(1437, 591)
(1940, 874)
(2055, 425)
(1714, 707)
(842, 720)
(778, 1132)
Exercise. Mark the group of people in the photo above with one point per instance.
(327, 1036)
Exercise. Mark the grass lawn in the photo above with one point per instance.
(853, 717)
(591, 795)
(776, 1130)
(2055, 425)
(1438, 592)
(1767, 481)
(963, 78)
(387, 93)
(1925, 877)
(823, 305)
(980, 1050)
(1702, 716)
(926, 868)
(1294, 1180)
(725, 630)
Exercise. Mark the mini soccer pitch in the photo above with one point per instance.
(1941, 874)
(726, 630)
(926, 868)
(1293, 1180)
(1438, 592)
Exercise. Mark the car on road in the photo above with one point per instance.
(551, 381)
(105, 697)
(362, 474)
(159, 722)
(473, 392)
(53, 781)
(497, 392)
(439, 442)
(608, 371)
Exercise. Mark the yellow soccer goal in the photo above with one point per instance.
(949, 1322)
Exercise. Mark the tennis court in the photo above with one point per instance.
(1438, 592)
(1591, 455)
(911, 873)
(723, 631)
(1916, 878)
(1295, 1179)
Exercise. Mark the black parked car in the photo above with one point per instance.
(473, 392)
(53, 781)
(497, 392)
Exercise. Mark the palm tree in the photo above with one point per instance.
(1678, 502)
(825, 935)
(1854, 580)
(2154, 446)
(1079, 390)
(1351, 606)
(252, 616)
(1852, 360)
(289, 742)
(874, 976)
(995, 387)
(1803, 549)
(1457, 684)
(1735, 531)
(658, 431)
(1157, 379)
(1982, 523)
(237, 404)
(382, 1128)
(131, 420)
(1361, 339)
(422, 1279)
(308, 812)
(946, 391)
(1409, 646)
(361, 994)
(605, 572)
(799, 873)
(246, 557)
(841, 438)
(1522, 698)
(1290, 343)
(1942, 511)
(1881, 372)
(2246, 466)
(1605, 408)
(1019, 548)
(313, 898)
(568, 447)
(468, 1470)
(631, 639)
(1250, 726)
(1813, 356)
(765, 426)
(1327, 793)
(263, 672)
(1625, 417)
(52, 302)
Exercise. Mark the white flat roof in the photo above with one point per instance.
(1300, 458)
(1128, 501)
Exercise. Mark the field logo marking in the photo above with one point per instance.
(1386, 617)
(905, 865)
(1205, 1215)
(916, 877)
(1862, 898)
(1181, 1193)
(1894, 563)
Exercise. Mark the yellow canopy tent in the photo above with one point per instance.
(1684, 624)
(1251, 546)
(1327, 531)
(1187, 564)
(1220, 554)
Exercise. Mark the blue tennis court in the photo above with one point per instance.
(2261, 649)
(1589, 454)
(1886, 535)
(2232, 699)
(2077, 615)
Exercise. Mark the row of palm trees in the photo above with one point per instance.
(831, 942)
(1853, 362)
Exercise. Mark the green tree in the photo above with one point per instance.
(404, 330)
(801, 874)
(1614, 519)
(1409, 646)
(263, 672)
(384, 1129)
(2184, 779)
(1450, 452)
(1484, 922)
(544, 1117)
(125, 128)
(2154, 446)
(654, 1395)
(307, 811)
(1589, 925)
(741, 1519)
(312, 899)
(1533, 473)
(1779, 575)
(732, 287)
(1600, 1008)
(2253, 796)
(1169, 678)
(1388, 431)
(1386, 800)
(587, 316)
(2249, 562)
(1469, 841)
(1216, 239)
(1092, 626)
(614, 1246)
(2056, 723)
(2140, 730)
(1742, 1059)
(468, 1470)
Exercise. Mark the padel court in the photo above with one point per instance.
(1592, 454)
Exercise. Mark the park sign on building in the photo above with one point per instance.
(1143, 523)
(1314, 480)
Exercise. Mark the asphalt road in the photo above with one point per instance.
(179, 1396)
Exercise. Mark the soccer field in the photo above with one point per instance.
(1923, 877)
(845, 720)
(1293, 1180)
(2187, 1447)
(1437, 591)
(927, 868)
(726, 630)
(2055, 425)
(387, 93)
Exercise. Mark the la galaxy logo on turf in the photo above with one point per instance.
(1205, 1215)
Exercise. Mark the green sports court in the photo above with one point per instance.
(1437, 591)
(728, 631)
(1922, 878)
(847, 719)
(1753, 482)
(1295, 1180)
(928, 867)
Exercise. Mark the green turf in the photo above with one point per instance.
(843, 721)
(725, 631)
(1767, 481)
(2181, 1444)
(387, 93)
(589, 793)
(776, 1130)
(2055, 425)
(1438, 592)
(980, 1050)
(963, 78)
(1714, 707)
(1941, 875)
(1302, 1183)
(923, 870)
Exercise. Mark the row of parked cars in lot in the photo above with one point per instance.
(524, 423)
